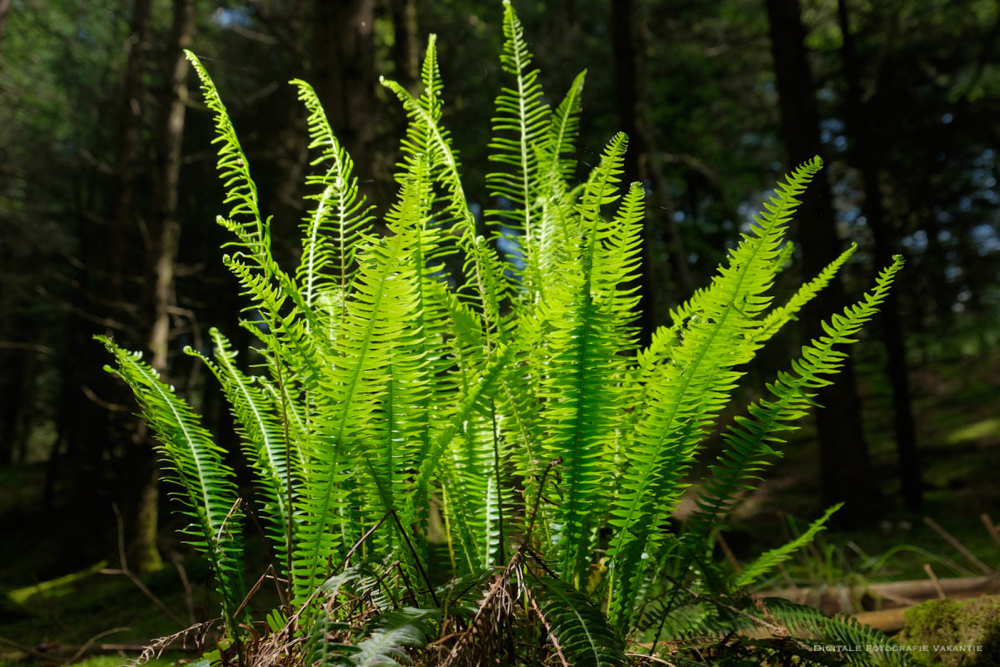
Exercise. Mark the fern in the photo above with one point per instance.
(578, 630)
(395, 632)
(749, 440)
(843, 632)
(423, 369)
(683, 399)
(771, 559)
(266, 447)
(332, 230)
(207, 490)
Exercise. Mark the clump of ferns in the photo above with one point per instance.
(499, 378)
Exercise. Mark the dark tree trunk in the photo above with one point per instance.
(11, 384)
(123, 214)
(343, 74)
(865, 161)
(405, 47)
(164, 238)
(642, 163)
(845, 468)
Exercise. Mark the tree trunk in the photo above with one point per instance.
(165, 232)
(405, 47)
(845, 468)
(865, 161)
(343, 73)
(641, 161)
(128, 147)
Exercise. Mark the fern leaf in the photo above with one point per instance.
(381, 302)
(749, 440)
(780, 316)
(234, 169)
(192, 460)
(563, 132)
(263, 439)
(684, 395)
(521, 121)
(771, 559)
(386, 646)
(575, 626)
(332, 230)
(839, 631)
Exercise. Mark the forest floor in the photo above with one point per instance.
(957, 410)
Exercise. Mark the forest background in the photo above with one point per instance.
(108, 199)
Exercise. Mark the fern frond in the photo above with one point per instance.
(771, 559)
(586, 329)
(264, 442)
(845, 631)
(395, 632)
(778, 317)
(576, 627)
(684, 396)
(234, 170)
(563, 131)
(382, 302)
(192, 460)
(749, 440)
(426, 139)
(332, 230)
(520, 122)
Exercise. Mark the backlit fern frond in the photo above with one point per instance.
(266, 445)
(381, 303)
(332, 230)
(207, 487)
(520, 126)
(588, 323)
(749, 441)
(234, 170)
(778, 317)
(425, 137)
(682, 397)
(563, 130)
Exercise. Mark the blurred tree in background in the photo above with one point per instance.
(108, 200)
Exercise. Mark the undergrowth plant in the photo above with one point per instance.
(425, 371)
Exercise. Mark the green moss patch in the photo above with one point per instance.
(957, 633)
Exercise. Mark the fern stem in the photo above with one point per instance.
(288, 468)
(496, 470)
(416, 558)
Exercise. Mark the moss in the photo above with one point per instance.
(940, 624)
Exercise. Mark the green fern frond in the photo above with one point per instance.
(808, 622)
(576, 627)
(778, 317)
(771, 559)
(683, 397)
(562, 134)
(588, 324)
(192, 460)
(234, 170)
(426, 139)
(395, 632)
(520, 123)
(332, 230)
(264, 441)
(382, 302)
(749, 440)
